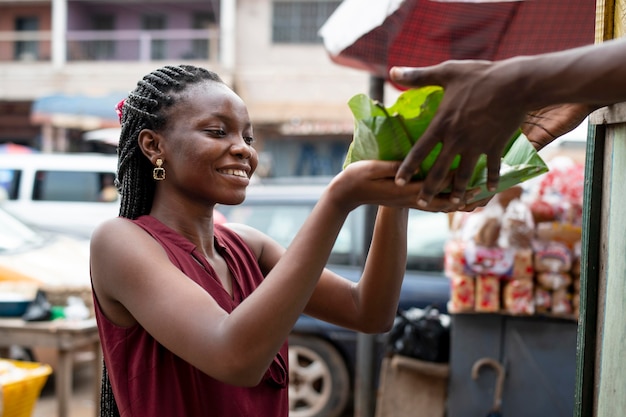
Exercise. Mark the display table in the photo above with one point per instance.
(65, 336)
(538, 355)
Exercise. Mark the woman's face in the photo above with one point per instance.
(208, 142)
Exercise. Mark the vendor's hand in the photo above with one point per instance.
(543, 126)
(476, 116)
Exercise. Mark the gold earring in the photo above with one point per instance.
(158, 173)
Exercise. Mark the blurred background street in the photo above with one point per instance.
(82, 403)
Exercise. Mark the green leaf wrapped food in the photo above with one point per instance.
(388, 133)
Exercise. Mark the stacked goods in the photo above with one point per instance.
(520, 256)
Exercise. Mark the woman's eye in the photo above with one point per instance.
(216, 132)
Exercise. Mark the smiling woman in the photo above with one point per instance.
(194, 316)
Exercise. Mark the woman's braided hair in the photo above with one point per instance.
(146, 108)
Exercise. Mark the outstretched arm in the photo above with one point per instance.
(486, 102)
(237, 346)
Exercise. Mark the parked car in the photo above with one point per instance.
(322, 356)
(31, 260)
(62, 192)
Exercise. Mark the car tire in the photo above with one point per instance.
(319, 383)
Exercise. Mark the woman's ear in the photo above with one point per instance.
(150, 144)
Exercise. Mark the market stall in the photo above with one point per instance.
(514, 270)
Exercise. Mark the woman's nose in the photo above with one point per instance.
(241, 148)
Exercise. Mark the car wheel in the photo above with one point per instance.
(319, 384)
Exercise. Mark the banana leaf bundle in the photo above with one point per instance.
(388, 133)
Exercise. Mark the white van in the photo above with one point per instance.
(61, 192)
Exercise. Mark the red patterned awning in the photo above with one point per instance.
(426, 32)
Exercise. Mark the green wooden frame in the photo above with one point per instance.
(589, 278)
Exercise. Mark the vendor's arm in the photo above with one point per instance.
(486, 102)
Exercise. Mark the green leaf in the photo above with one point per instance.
(520, 163)
(390, 133)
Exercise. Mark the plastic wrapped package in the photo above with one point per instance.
(542, 299)
(454, 258)
(551, 256)
(554, 280)
(518, 226)
(523, 267)
(518, 297)
(561, 302)
(462, 293)
(483, 260)
(487, 294)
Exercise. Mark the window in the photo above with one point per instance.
(85, 186)
(427, 234)
(26, 50)
(282, 221)
(104, 49)
(9, 183)
(200, 47)
(299, 21)
(155, 22)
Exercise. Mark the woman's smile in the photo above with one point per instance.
(235, 172)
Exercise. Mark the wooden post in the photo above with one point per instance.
(601, 380)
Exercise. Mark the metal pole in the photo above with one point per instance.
(365, 384)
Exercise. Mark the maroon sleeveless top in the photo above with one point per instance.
(149, 380)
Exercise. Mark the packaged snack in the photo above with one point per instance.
(454, 258)
(518, 227)
(565, 233)
(523, 264)
(462, 293)
(554, 280)
(551, 256)
(487, 294)
(561, 302)
(488, 233)
(542, 211)
(562, 188)
(483, 260)
(518, 297)
(543, 300)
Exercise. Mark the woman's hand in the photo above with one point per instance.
(373, 182)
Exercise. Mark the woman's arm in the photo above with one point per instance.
(135, 280)
(370, 305)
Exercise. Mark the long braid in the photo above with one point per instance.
(145, 108)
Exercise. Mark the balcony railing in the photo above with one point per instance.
(120, 45)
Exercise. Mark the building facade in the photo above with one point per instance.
(65, 63)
